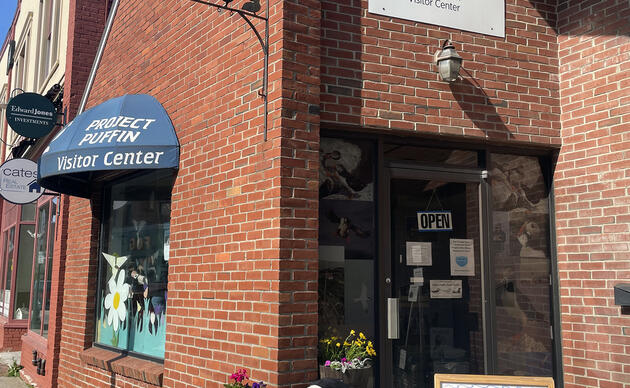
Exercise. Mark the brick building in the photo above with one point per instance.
(48, 50)
(33, 59)
(276, 230)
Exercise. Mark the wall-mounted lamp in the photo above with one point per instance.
(448, 62)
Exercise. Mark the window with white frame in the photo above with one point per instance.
(49, 11)
(20, 78)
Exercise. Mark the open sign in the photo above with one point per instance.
(435, 221)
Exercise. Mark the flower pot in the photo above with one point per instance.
(355, 378)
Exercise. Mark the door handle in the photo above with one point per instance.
(393, 328)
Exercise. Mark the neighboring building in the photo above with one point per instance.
(33, 60)
(37, 57)
(475, 226)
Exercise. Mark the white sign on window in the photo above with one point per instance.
(483, 16)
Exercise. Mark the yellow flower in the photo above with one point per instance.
(362, 336)
(338, 344)
(352, 332)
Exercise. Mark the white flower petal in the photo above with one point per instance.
(124, 292)
(122, 311)
(121, 278)
(110, 316)
(109, 300)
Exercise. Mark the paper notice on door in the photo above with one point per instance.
(419, 253)
(462, 257)
(403, 359)
(445, 289)
(418, 276)
(413, 292)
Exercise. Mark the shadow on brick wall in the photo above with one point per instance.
(479, 107)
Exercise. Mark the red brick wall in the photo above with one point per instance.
(379, 72)
(11, 337)
(72, 303)
(242, 268)
(593, 213)
(29, 343)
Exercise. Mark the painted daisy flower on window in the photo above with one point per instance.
(115, 300)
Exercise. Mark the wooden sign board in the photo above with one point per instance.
(489, 381)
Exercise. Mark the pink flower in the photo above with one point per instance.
(344, 360)
(327, 363)
(239, 376)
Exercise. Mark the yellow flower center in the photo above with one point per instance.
(116, 301)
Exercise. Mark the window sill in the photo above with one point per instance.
(128, 366)
(13, 323)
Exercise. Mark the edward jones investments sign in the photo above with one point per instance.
(31, 115)
(483, 16)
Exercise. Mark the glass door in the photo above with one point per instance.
(433, 277)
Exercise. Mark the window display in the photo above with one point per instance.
(133, 276)
(42, 266)
(522, 265)
(346, 239)
(9, 244)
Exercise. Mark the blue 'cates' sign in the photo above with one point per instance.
(431, 221)
(124, 133)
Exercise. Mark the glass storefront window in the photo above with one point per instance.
(28, 212)
(9, 244)
(42, 266)
(522, 265)
(430, 155)
(435, 277)
(39, 267)
(2, 269)
(51, 241)
(132, 295)
(347, 248)
(24, 272)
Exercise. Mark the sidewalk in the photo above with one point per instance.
(6, 359)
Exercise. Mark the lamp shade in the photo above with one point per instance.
(449, 63)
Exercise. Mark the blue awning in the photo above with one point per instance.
(132, 132)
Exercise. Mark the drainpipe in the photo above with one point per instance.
(99, 55)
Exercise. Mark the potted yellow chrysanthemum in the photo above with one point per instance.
(349, 359)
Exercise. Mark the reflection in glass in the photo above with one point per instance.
(8, 258)
(24, 271)
(430, 155)
(346, 239)
(39, 268)
(51, 243)
(440, 315)
(521, 258)
(2, 268)
(133, 267)
(28, 212)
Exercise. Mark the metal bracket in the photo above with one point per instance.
(264, 43)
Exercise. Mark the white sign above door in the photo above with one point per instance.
(483, 16)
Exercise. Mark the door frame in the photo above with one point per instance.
(407, 170)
